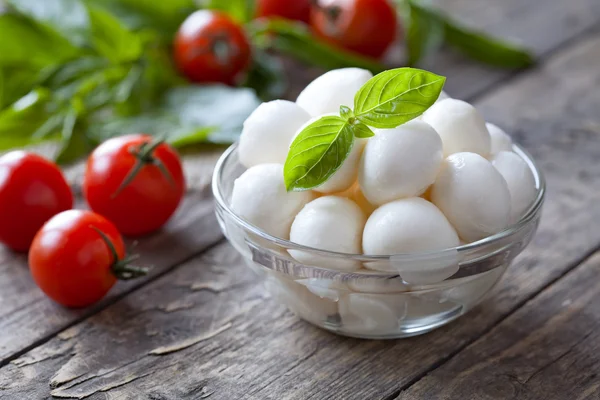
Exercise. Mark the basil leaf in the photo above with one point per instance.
(32, 45)
(425, 33)
(361, 130)
(111, 39)
(75, 143)
(240, 10)
(295, 39)
(394, 97)
(317, 153)
(68, 17)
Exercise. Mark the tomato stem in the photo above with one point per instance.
(122, 269)
(144, 156)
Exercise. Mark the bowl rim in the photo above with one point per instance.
(527, 217)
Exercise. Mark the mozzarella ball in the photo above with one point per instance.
(325, 288)
(268, 132)
(407, 226)
(520, 180)
(374, 284)
(345, 177)
(460, 126)
(301, 300)
(333, 89)
(443, 96)
(411, 225)
(329, 223)
(473, 196)
(372, 314)
(259, 196)
(400, 162)
(500, 139)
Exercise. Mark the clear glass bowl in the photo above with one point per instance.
(399, 295)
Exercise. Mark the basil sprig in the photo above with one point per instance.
(386, 101)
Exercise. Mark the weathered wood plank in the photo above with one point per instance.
(266, 353)
(27, 315)
(549, 349)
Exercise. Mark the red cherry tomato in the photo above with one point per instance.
(364, 26)
(211, 47)
(32, 190)
(298, 10)
(77, 257)
(134, 182)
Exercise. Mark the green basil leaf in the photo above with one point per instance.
(32, 45)
(266, 76)
(394, 97)
(295, 39)
(68, 17)
(425, 34)
(240, 10)
(484, 48)
(361, 130)
(111, 39)
(317, 153)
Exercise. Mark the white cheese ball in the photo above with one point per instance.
(372, 314)
(520, 180)
(300, 300)
(259, 196)
(411, 225)
(333, 89)
(473, 195)
(268, 132)
(329, 223)
(501, 141)
(460, 126)
(400, 162)
(407, 226)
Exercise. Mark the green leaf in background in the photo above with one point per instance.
(477, 45)
(266, 76)
(240, 10)
(68, 17)
(28, 44)
(161, 16)
(15, 82)
(361, 130)
(487, 49)
(396, 96)
(189, 115)
(75, 143)
(317, 153)
(20, 121)
(111, 39)
(296, 40)
(424, 35)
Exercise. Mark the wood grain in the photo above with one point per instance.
(549, 349)
(267, 353)
(27, 316)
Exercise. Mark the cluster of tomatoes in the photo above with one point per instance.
(211, 47)
(132, 184)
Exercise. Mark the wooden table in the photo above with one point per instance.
(200, 326)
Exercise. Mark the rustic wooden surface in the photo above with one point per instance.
(200, 326)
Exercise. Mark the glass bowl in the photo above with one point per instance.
(396, 296)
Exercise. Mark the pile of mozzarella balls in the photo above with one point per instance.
(441, 180)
